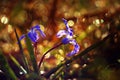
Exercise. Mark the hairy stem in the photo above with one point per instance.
(46, 54)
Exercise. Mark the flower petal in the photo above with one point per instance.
(41, 32)
(61, 33)
(66, 23)
(23, 36)
(32, 37)
(69, 30)
(76, 47)
(65, 40)
(37, 27)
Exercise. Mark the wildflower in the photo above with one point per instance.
(68, 33)
(33, 35)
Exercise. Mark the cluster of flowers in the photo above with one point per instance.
(68, 33)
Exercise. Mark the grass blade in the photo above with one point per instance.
(21, 51)
(6, 68)
(17, 64)
(32, 56)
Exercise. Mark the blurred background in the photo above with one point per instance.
(91, 20)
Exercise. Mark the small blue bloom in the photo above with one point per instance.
(33, 35)
(68, 33)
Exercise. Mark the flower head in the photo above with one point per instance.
(68, 33)
(33, 35)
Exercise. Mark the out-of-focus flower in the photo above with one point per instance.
(68, 33)
(33, 35)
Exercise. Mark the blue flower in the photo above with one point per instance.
(33, 35)
(68, 33)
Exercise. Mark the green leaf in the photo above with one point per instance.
(17, 64)
(6, 68)
(21, 51)
(32, 56)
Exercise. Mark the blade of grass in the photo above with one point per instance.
(47, 75)
(17, 64)
(6, 68)
(22, 54)
(32, 56)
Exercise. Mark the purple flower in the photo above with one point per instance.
(68, 33)
(33, 35)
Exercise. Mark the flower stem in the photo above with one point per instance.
(35, 50)
(48, 52)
